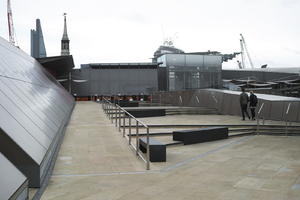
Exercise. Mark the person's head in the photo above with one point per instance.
(243, 89)
(251, 92)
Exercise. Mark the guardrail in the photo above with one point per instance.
(116, 113)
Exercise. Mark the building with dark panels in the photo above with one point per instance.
(111, 79)
(38, 49)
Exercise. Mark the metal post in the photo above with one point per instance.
(116, 116)
(137, 138)
(148, 150)
(124, 124)
(119, 118)
(257, 127)
(107, 110)
(286, 127)
(111, 114)
(129, 130)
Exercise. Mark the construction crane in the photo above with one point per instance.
(244, 53)
(10, 24)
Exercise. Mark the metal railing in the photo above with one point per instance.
(117, 114)
(286, 120)
(258, 118)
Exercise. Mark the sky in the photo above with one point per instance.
(132, 30)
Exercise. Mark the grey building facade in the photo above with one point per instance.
(190, 71)
(109, 79)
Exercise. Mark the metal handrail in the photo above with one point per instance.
(258, 118)
(108, 107)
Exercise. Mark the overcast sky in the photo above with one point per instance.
(131, 30)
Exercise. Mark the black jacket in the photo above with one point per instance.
(253, 100)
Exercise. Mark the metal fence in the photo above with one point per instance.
(118, 116)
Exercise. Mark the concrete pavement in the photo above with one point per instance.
(95, 162)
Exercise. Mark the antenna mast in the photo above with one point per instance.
(10, 24)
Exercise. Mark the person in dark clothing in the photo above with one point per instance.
(244, 99)
(252, 104)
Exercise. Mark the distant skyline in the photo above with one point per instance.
(131, 30)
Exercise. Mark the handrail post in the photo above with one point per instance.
(111, 113)
(124, 115)
(148, 150)
(137, 138)
(116, 115)
(286, 127)
(119, 118)
(257, 126)
(129, 130)
(107, 111)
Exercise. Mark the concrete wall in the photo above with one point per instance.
(227, 102)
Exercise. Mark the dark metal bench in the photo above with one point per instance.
(201, 135)
(157, 149)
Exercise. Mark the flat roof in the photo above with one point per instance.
(123, 65)
(293, 70)
(60, 64)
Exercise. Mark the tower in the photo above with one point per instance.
(38, 49)
(11, 30)
(65, 49)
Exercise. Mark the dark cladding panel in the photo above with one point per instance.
(19, 114)
(20, 136)
(40, 125)
(31, 102)
(34, 109)
(13, 184)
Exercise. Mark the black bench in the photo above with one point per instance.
(201, 135)
(157, 149)
(147, 112)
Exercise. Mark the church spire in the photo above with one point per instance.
(65, 51)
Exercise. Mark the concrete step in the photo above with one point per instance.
(192, 110)
(149, 104)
